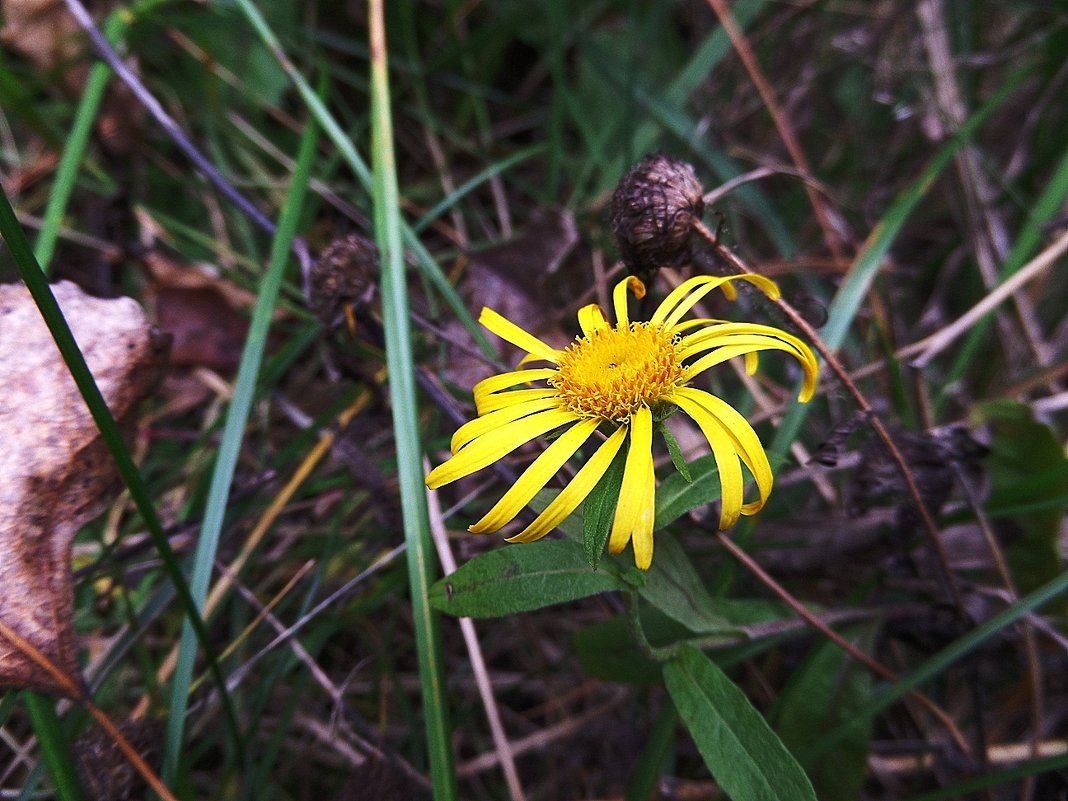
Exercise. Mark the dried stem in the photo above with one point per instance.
(814, 621)
(839, 370)
(75, 690)
(782, 124)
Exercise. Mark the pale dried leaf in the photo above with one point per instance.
(55, 472)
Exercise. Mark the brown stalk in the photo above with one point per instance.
(813, 620)
(877, 424)
(76, 691)
(782, 124)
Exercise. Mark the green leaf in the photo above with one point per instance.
(608, 651)
(678, 494)
(677, 458)
(1029, 474)
(522, 577)
(599, 509)
(744, 755)
(823, 693)
(673, 586)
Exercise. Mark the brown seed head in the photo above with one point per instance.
(346, 274)
(653, 210)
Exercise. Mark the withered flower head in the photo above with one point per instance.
(346, 275)
(653, 210)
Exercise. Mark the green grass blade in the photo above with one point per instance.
(401, 365)
(230, 444)
(942, 660)
(37, 285)
(74, 150)
(1045, 208)
(336, 134)
(846, 303)
(55, 747)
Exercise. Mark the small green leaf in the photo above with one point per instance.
(522, 577)
(677, 458)
(599, 508)
(1029, 475)
(673, 586)
(744, 755)
(823, 693)
(678, 494)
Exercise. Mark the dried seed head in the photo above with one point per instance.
(345, 275)
(653, 210)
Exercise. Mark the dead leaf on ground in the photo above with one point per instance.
(45, 33)
(55, 471)
(512, 279)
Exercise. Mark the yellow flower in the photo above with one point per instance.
(620, 379)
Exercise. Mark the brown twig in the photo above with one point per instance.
(880, 429)
(813, 620)
(782, 124)
(74, 689)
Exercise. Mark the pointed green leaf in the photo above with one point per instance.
(522, 577)
(677, 458)
(678, 494)
(599, 509)
(744, 755)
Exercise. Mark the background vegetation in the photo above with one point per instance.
(512, 123)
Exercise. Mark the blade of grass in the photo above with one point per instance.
(55, 747)
(940, 661)
(230, 444)
(847, 300)
(399, 360)
(37, 285)
(336, 134)
(74, 149)
(1048, 204)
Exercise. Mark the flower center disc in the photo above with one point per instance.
(615, 371)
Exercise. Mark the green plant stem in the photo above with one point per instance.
(400, 363)
(55, 748)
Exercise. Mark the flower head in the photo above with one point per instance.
(620, 379)
(653, 211)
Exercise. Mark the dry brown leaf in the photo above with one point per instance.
(512, 279)
(46, 33)
(55, 471)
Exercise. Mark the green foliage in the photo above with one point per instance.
(599, 509)
(739, 748)
(824, 692)
(519, 578)
(1029, 480)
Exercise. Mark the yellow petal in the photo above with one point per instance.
(642, 538)
(492, 421)
(501, 400)
(591, 318)
(509, 331)
(535, 477)
(491, 447)
(495, 383)
(742, 345)
(723, 449)
(677, 303)
(629, 511)
(741, 333)
(745, 439)
(619, 298)
(576, 490)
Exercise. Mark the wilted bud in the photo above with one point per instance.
(653, 210)
(344, 277)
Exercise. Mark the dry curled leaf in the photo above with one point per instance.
(55, 471)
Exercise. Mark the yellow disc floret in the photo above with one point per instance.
(614, 371)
